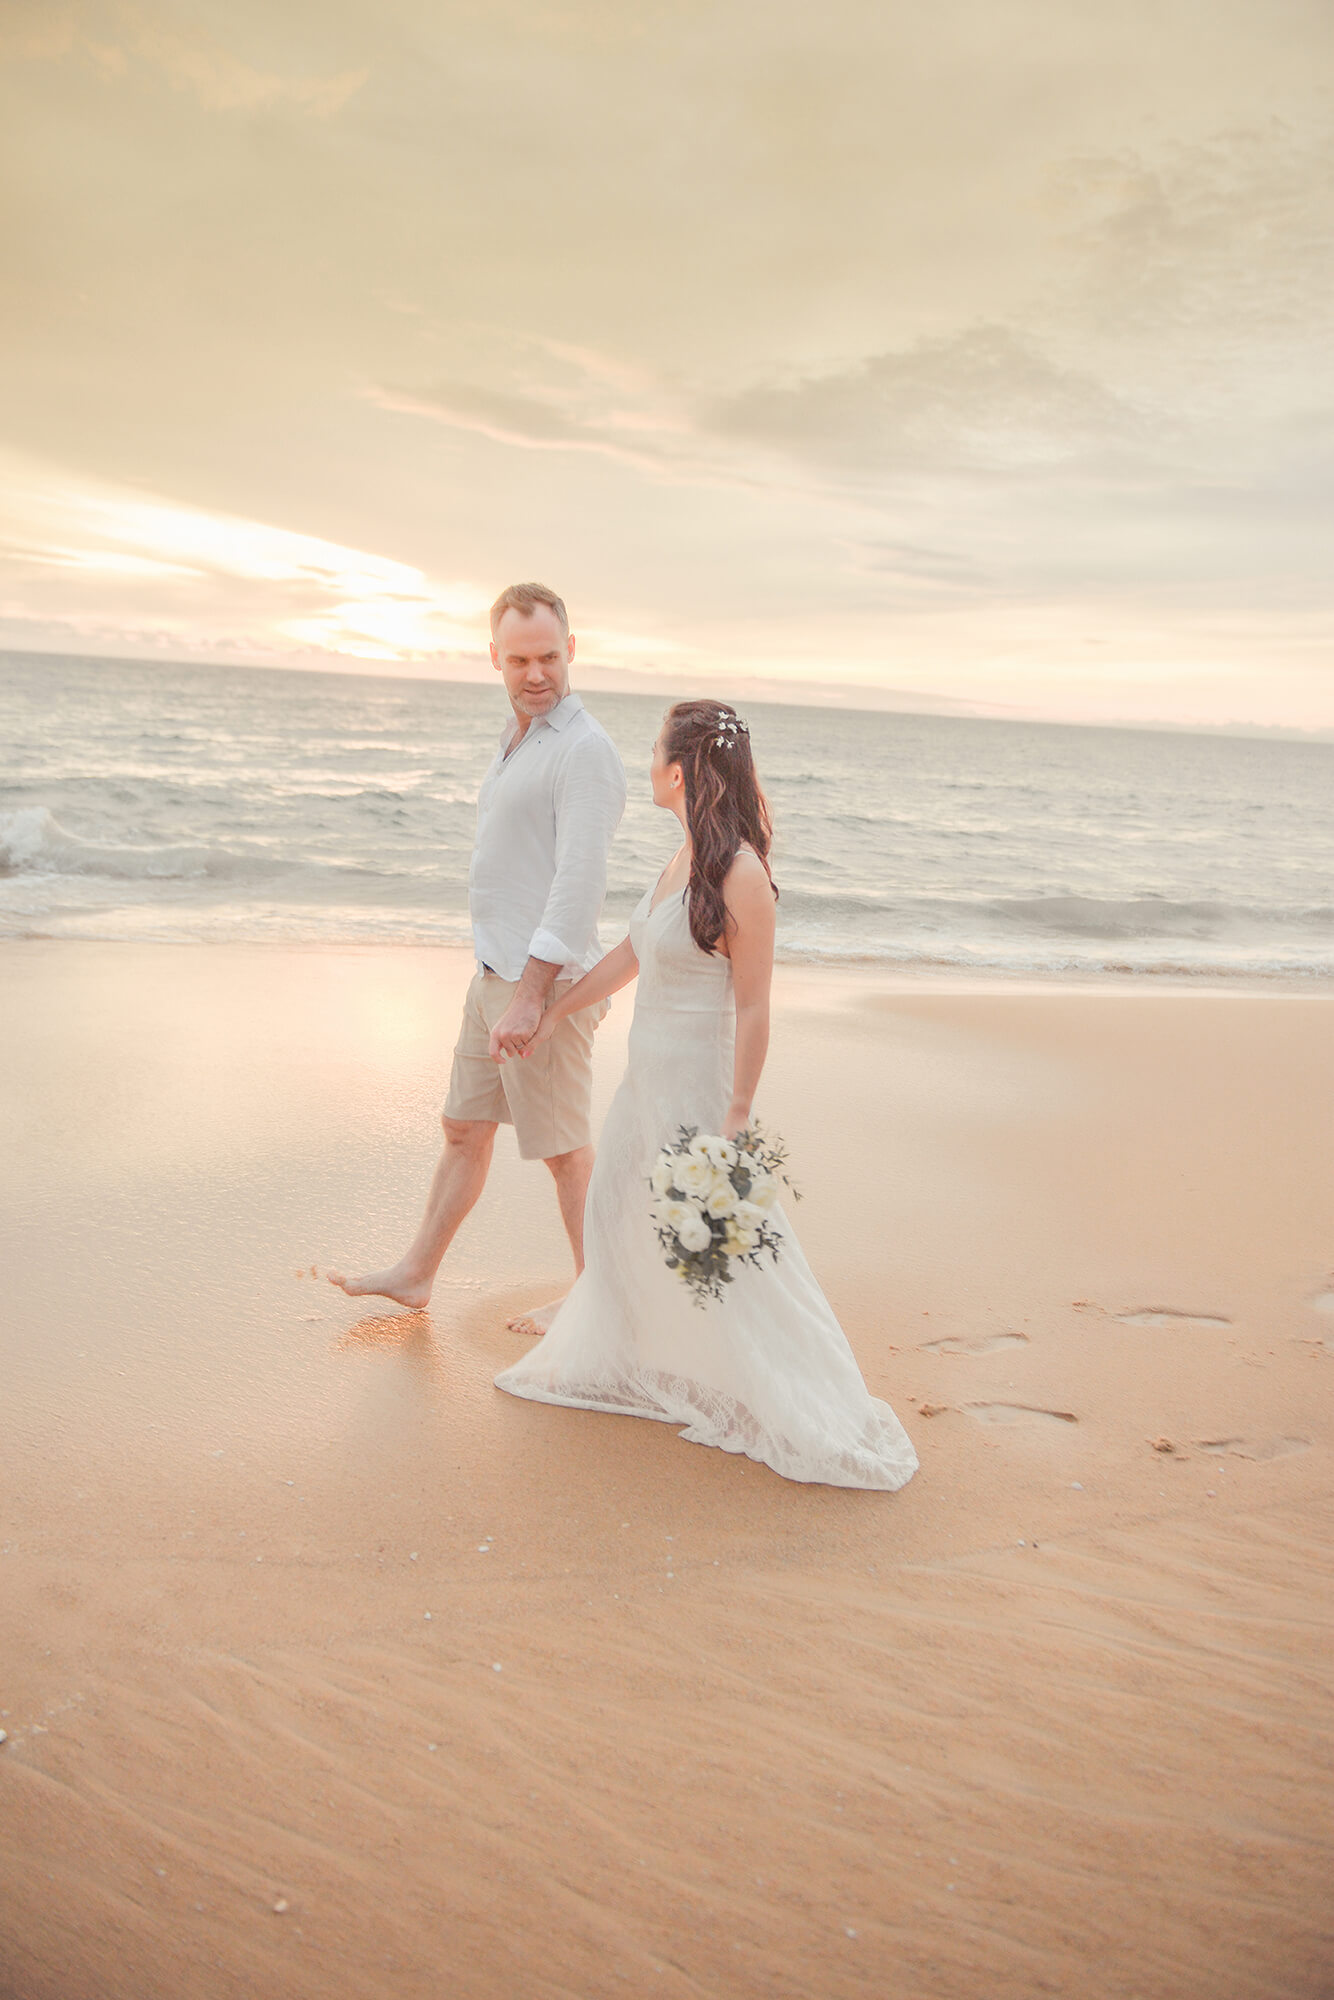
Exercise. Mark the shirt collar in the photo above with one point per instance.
(565, 711)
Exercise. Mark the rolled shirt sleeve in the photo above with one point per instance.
(589, 799)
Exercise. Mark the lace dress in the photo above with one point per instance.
(767, 1370)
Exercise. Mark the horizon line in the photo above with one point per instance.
(843, 697)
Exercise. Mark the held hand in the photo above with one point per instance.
(543, 1032)
(737, 1119)
(515, 1028)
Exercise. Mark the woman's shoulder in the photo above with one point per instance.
(748, 883)
(746, 866)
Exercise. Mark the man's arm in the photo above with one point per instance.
(589, 801)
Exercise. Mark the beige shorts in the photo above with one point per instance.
(547, 1096)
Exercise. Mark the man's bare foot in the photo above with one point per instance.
(395, 1283)
(536, 1320)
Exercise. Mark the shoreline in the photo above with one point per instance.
(908, 975)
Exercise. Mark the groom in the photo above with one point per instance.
(546, 813)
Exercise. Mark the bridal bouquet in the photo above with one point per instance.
(713, 1201)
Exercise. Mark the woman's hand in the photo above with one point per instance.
(737, 1119)
(516, 1026)
(543, 1032)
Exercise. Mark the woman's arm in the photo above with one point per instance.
(608, 976)
(749, 899)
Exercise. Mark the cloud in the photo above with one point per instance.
(309, 592)
(835, 339)
(1229, 235)
(559, 396)
(986, 399)
(510, 417)
(111, 33)
(222, 82)
(942, 569)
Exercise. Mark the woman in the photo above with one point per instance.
(768, 1370)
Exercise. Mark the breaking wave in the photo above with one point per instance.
(33, 842)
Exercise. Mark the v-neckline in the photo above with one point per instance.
(655, 901)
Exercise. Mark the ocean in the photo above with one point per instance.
(151, 801)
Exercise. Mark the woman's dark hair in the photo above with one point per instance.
(724, 805)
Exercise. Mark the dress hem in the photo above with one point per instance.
(735, 1447)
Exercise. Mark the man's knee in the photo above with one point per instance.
(564, 1164)
(468, 1135)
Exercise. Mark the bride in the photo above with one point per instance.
(768, 1371)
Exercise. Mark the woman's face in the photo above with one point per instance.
(667, 778)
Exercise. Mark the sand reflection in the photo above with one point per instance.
(411, 1338)
(403, 1331)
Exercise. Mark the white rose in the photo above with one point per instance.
(696, 1175)
(763, 1192)
(676, 1214)
(748, 1215)
(719, 1152)
(694, 1233)
(664, 1168)
(722, 1201)
(739, 1240)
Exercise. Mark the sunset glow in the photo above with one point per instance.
(971, 358)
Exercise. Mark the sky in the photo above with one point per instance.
(975, 355)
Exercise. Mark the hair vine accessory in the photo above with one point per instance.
(729, 727)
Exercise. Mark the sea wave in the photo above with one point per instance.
(33, 842)
(1148, 916)
(1038, 963)
(1110, 918)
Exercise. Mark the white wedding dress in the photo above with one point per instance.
(766, 1370)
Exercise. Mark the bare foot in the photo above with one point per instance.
(536, 1320)
(395, 1283)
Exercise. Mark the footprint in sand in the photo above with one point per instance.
(1017, 1413)
(1169, 1316)
(1321, 1302)
(1257, 1448)
(955, 1343)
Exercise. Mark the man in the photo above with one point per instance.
(547, 811)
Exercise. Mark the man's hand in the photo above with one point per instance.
(518, 1023)
(543, 1032)
(516, 1026)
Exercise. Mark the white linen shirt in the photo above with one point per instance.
(546, 814)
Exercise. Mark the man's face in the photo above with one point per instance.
(533, 655)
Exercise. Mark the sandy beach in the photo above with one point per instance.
(327, 1670)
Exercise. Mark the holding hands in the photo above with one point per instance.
(511, 1037)
(514, 1032)
(535, 1012)
(517, 1027)
(543, 1032)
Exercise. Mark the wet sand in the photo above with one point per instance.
(329, 1671)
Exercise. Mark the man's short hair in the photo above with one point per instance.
(525, 598)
